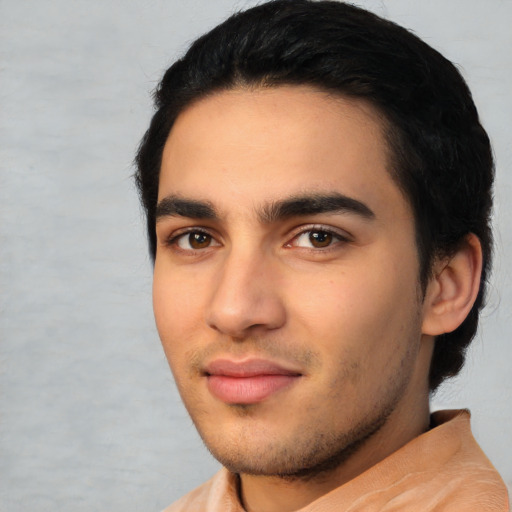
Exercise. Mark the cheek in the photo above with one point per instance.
(361, 312)
(177, 295)
(177, 312)
(164, 305)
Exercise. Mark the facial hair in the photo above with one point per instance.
(311, 451)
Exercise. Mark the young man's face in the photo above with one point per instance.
(286, 288)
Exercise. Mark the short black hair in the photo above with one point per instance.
(441, 155)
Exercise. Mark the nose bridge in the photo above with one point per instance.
(245, 296)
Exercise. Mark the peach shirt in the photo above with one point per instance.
(442, 470)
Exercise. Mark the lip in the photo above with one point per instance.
(247, 382)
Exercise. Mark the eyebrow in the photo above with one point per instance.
(295, 206)
(314, 205)
(174, 206)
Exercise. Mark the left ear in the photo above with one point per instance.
(453, 288)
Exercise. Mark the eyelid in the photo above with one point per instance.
(342, 235)
(177, 234)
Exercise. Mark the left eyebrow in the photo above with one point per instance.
(315, 204)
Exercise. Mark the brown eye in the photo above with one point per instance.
(199, 240)
(194, 241)
(320, 239)
(317, 239)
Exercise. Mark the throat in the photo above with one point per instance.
(293, 491)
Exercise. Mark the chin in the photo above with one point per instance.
(305, 455)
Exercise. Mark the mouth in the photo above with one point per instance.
(249, 381)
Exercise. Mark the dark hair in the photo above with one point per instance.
(441, 155)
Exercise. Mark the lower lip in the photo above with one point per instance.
(247, 390)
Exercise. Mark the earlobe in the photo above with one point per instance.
(453, 288)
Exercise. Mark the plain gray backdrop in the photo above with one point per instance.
(89, 415)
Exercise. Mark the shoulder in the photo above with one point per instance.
(194, 500)
(219, 494)
(470, 481)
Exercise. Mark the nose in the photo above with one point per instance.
(246, 297)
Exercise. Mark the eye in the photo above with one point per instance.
(194, 240)
(316, 239)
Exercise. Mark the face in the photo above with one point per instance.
(286, 287)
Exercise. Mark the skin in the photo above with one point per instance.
(345, 314)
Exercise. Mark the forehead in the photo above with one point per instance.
(256, 145)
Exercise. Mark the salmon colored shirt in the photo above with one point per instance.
(443, 470)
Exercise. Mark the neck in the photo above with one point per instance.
(277, 494)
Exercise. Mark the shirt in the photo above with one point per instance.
(442, 470)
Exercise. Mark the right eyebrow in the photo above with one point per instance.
(174, 206)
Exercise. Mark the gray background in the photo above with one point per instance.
(89, 416)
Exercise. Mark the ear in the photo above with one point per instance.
(453, 288)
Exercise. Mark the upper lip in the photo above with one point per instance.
(247, 368)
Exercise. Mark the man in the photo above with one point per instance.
(318, 190)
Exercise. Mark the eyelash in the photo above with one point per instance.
(337, 237)
(175, 238)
